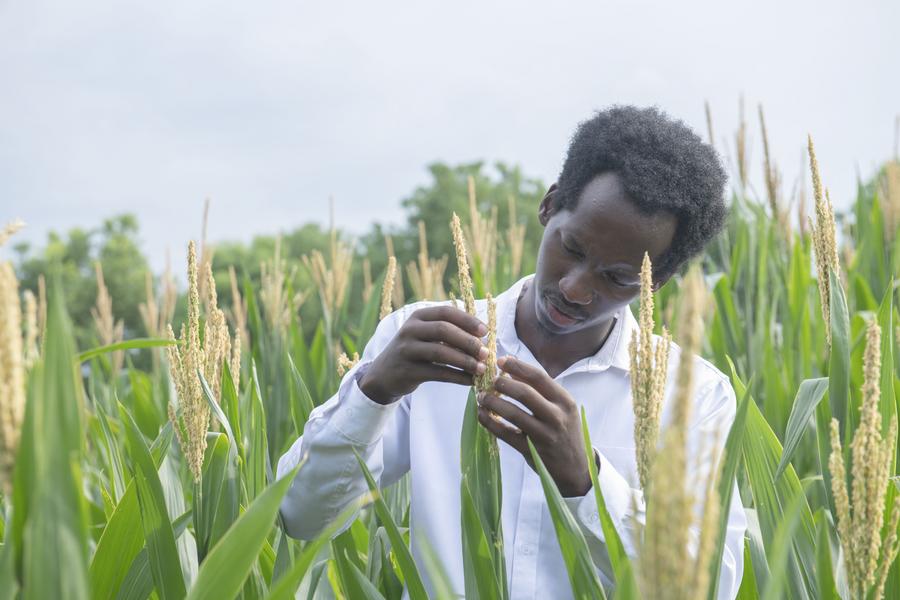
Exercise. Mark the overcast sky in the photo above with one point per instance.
(268, 108)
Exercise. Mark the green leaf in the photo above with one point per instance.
(230, 416)
(401, 551)
(824, 570)
(478, 561)
(258, 470)
(217, 498)
(628, 589)
(286, 586)
(9, 587)
(761, 452)
(122, 540)
(369, 591)
(229, 562)
(143, 408)
(808, 396)
(575, 552)
(369, 319)
(137, 582)
(126, 345)
(887, 403)
(757, 548)
(839, 368)
(779, 550)
(123, 537)
(53, 525)
(732, 457)
(116, 464)
(215, 408)
(301, 401)
(748, 589)
(725, 306)
(623, 573)
(163, 554)
(346, 555)
(480, 467)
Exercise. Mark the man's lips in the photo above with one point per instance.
(563, 312)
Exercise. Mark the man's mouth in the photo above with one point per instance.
(559, 317)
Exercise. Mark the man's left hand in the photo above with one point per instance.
(554, 425)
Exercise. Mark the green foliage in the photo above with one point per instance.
(98, 511)
(50, 524)
(581, 568)
(71, 259)
(480, 486)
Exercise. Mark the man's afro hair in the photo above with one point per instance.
(662, 164)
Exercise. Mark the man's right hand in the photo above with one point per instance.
(438, 343)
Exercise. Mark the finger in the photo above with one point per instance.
(450, 334)
(540, 407)
(433, 372)
(458, 317)
(509, 434)
(526, 422)
(534, 376)
(434, 352)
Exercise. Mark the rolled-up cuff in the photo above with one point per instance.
(617, 495)
(359, 418)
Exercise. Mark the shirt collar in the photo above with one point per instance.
(613, 353)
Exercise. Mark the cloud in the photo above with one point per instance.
(271, 108)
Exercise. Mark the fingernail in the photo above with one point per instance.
(483, 352)
(480, 367)
(482, 329)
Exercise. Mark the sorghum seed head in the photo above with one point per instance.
(388, 287)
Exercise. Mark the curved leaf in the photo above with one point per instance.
(126, 345)
(808, 397)
(227, 565)
(165, 564)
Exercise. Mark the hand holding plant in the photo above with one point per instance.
(437, 343)
(554, 425)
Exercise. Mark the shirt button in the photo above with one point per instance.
(527, 549)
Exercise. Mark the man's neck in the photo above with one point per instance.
(556, 352)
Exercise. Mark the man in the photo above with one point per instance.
(633, 181)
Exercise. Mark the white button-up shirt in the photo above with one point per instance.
(420, 434)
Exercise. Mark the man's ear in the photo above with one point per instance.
(549, 204)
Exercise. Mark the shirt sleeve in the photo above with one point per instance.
(331, 478)
(625, 504)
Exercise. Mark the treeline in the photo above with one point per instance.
(500, 191)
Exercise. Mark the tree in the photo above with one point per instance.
(447, 193)
(71, 258)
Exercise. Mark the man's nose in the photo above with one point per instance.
(576, 289)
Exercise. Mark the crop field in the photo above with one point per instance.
(145, 467)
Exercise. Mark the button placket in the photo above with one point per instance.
(528, 530)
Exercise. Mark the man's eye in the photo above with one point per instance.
(571, 251)
(616, 280)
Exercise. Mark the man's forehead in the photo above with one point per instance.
(608, 253)
(604, 211)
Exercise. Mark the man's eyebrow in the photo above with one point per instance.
(573, 239)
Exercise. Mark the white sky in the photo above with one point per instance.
(270, 107)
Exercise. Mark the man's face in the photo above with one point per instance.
(589, 262)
